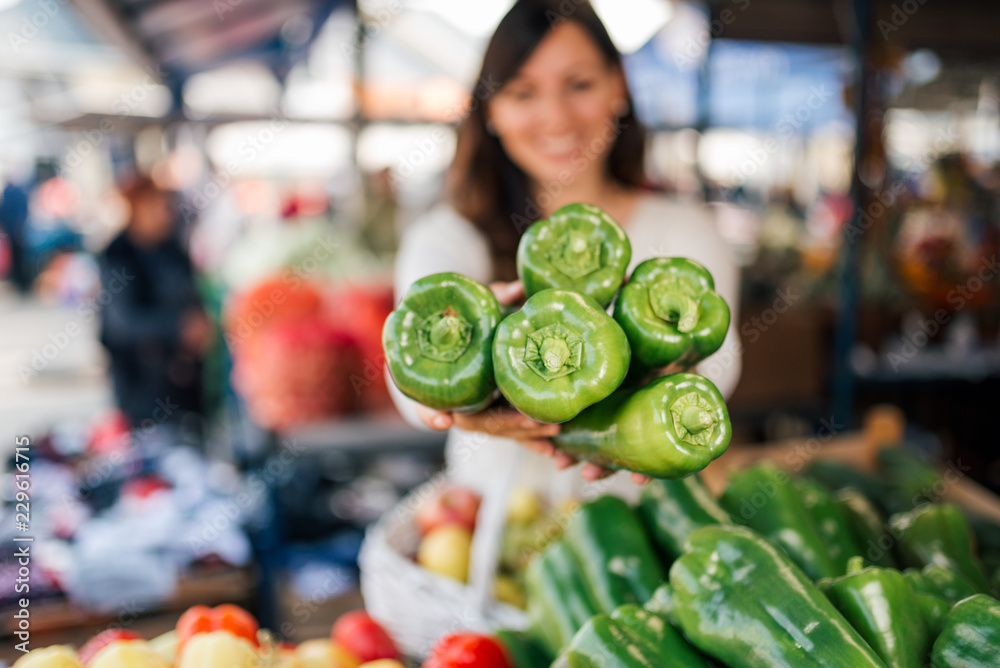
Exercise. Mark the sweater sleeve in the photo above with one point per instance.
(439, 241)
(725, 366)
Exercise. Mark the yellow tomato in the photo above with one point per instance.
(128, 654)
(218, 648)
(56, 656)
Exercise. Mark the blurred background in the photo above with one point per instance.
(851, 149)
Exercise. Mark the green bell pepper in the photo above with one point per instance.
(881, 606)
(835, 476)
(671, 313)
(741, 600)
(672, 509)
(987, 534)
(558, 355)
(938, 533)
(607, 643)
(867, 526)
(764, 498)
(939, 581)
(670, 428)
(523, 650)
(971, 635)
(662, 601)
(933, 611)
(830, 520)
(559, 601)
(911, 477)
(580, 248)
(657, 631)
(438, 342)
(616, 557)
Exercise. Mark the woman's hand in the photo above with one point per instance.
(508, 294)
(505, 422)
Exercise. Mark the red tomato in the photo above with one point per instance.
(362, 636)
(225, 617)
(467, 650)
(102, 640)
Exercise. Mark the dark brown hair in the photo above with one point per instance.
(486, 187)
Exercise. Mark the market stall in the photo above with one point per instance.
(838, 507)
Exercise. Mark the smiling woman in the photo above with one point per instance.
(558, 124)
(552, 124)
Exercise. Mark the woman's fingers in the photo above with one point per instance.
(563, 460)
(539, 445)
(505, 423)
(592, 472)
(508, 293)
(438, 420)
(534, 435)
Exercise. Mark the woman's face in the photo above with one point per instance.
(556, 118)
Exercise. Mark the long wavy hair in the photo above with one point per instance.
(485, 186)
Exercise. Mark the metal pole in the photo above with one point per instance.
(843, 376)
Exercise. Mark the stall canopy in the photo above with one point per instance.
(184, 37)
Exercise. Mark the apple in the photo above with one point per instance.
(445, 550)
(455, 505)
(322, 653)
(363, 637)
(523, 506)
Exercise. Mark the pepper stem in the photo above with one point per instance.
(447, 332)
(855, 565)
(576, 255)
(444, 335)
(695, 419)
(670, 302)
(554, 353)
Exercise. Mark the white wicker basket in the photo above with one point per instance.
(417, 606)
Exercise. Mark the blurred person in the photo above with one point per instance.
(152, 321)
(552, 123)
(378, 229)
(13, 218)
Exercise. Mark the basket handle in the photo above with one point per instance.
(486, 544)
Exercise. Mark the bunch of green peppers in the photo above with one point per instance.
(561, 358)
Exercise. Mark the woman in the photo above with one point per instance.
(554, 125)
